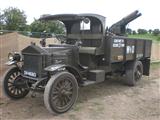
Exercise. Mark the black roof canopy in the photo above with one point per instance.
(61, 17)
(65, 18)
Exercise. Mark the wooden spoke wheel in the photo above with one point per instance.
(61, 92)
(14, 85)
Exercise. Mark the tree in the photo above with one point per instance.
(14, 19)
(50, 27)
(156, 32)
(134, 32)
(142, 31)
(37, 26)
(1, 20)
(150, 31)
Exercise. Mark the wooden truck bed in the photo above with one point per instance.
(125, 49)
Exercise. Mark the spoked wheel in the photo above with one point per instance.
(138, 72)
(134, 72)
(61, 92)
(13, 84)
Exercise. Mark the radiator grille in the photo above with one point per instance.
(32, 63)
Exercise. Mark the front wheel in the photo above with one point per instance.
(14, 85)
(134, 72)
(61, 92)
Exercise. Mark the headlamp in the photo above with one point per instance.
(14, 57)
(10, 57)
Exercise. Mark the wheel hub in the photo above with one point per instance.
(63, 92)
(18, 82)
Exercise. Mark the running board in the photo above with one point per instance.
(88, 82)
(94, 76)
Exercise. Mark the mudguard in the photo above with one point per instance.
(57, 67)
(9, 63)
(62, 67)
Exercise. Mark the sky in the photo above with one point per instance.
(113, 10)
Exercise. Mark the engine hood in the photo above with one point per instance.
(33, 49)
(54, 49)
(58, 49)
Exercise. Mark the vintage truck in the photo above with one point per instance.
(89, 53)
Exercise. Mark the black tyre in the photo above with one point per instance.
(13, 84)
(61, 92)
(134, 72)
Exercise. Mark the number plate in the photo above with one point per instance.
(32, 74)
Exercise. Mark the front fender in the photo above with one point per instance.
(9, 63)
(57, 67)
(61, 67)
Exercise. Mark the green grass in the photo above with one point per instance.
(146, 36)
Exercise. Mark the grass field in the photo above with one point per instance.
(146, 36)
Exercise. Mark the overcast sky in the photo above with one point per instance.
(113, 10)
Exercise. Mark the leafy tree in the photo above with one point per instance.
(142, 31)
(50, 27)
(134, 32)
(1, 20)
(156, 32)
(14, 19)
(37, 26)
(150, 31)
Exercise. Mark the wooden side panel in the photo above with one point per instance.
(139, 51)
(125, 49)
(130, 49)
(117, 49)
(147, 49)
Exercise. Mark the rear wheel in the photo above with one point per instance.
(134, 72)
(61, 92)
(14, 85)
